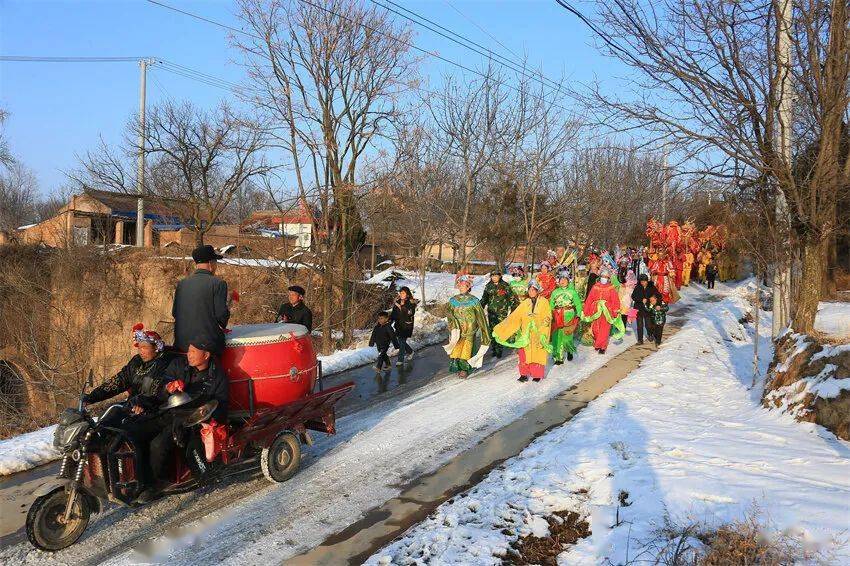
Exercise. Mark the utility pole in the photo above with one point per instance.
(664, 186)
(140, 174)
(782, 270)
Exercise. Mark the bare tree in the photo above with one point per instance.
(533, 149)
(327, 74)
(6, 159)
(18, 196)
(408, 193)
(199, 158)
(709, 79)
(466, 117)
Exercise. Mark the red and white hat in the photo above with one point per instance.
(141, 335)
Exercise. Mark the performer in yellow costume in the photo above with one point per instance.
(687, 265)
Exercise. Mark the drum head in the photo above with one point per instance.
(254, 334)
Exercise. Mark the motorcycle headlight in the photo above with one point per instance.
(65, 435)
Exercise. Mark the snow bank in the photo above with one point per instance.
(27, 451)
(427, 329)
(682, 436)
(833, 319)
(811, 382)
(439, 287)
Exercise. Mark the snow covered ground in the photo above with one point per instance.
(683, 437)
(27, 451)
(833, 319)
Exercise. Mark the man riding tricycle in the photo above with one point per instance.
(186, 419)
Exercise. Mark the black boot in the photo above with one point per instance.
(523, 378)
(569, 357)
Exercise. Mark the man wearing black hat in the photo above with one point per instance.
(295, 311)
(200, 308)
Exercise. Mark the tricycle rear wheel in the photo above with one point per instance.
(46, 529)
(282, 458)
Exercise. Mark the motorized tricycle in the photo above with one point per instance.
(276, 396)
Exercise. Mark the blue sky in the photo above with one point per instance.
(59, 111)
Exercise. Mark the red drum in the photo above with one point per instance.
(268, 365)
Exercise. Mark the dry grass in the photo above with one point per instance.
(565, 528)
(748, 542)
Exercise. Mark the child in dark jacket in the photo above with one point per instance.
(657, 316)
(382, 336)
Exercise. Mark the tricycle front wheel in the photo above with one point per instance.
(282, 458)
(46, 525)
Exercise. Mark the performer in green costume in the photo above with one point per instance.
(499, 300)
(566, 315)
(519, 282)
(466, 320)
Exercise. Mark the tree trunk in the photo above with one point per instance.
(423, 269)
(810, 286)
(199, 238)
(327, 297)
(757, 318)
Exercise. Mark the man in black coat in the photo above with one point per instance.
(199, 375)
(295, 311)
(640, 301)
(382, 336)
(200, 308)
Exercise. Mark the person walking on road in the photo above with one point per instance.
(602, 311)
(200, 308)
(711, 274)
(528, 329)
(656, 318)
(640, 301)
(402, 317)
(466, 321)
(382, 337)
(498, 300)
(567, 307)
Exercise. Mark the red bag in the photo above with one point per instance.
(557, 319)
(213, 436)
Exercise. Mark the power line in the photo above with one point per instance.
(372, 29)
(38, 59)
(463, 41)
(484, 31)
(420, 49)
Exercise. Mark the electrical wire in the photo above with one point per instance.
(38, 59)
(484, 31)
(372, 29)
(463, 41)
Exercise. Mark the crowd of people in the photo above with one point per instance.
(541, 314)
(565, 301)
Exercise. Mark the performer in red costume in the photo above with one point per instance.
(546, 279)
(678, 265)
(659, 268)
(602, 310)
